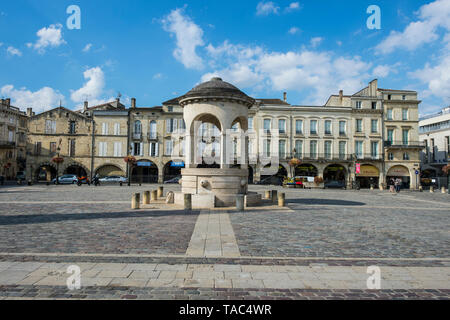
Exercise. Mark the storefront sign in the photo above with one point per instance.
(369, 171)
(358, 168)
(144, 164)
(177, 164)
(398, 171)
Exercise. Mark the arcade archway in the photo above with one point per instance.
(335, 172)
(109, 170)
(77, 170)
(172, 169)
(45, 173)
(306, 170)
(144, 171)
(402, 173)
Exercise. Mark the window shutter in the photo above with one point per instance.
(157, 149)
(168, 125)
(175, 124)
(132, 149)
(142, 149)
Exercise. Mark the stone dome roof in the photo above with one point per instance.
(217, 88)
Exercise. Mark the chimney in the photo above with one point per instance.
(341, 95)
(133, 103)
(285, 96)
(29, 112)
(8, 102)
(86, 106)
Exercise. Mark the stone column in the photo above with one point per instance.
(223, 150)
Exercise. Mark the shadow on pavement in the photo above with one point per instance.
(326, 202)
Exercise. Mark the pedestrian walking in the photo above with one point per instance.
(392, 186)
(398, 183)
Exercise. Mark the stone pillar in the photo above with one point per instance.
(160, 192)
(154, 195)
(268, 194)
(443, 190)
(223, 150)
(240, 202)
(146, 198)
(136, 201)
(282, 199)
(431, 189)
(274, 196)
(187, 201)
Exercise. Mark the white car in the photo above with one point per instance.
(66, 179)
(114, 179)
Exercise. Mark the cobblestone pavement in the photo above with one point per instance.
(320, 230)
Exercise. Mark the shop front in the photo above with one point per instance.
(399, 172)
(368, 175)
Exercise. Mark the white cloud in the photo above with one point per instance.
(41, 100)
(13, 51)
(432, 16)
(189, 36)
(293, 6)
(294, 30)
(339, 43)
(158, 76)
(48, 37)
(87, 48)
(266, 8)
(92, 88)
(1, 44)
(316, 41)
(437, 78)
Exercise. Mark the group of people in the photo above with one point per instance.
(395, 185)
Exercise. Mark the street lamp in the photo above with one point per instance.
(130, 160)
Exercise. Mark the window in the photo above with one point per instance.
(38, 148)
(374, 127)
(267, 125)
(137, 149)
(405, 134)
(327, 149)
(52, 148)
(170, 109)
(154, 149)
(433, 156)
(389, 97)
(72, 127)
(266, 148)
(390, 156)
(313, 149)
(342, 126)
(359, 149)
(327, 126)
(50, 126)
(169, 148)
(389, 114)
(153, 133)
(117, 149)
(102, 149)
(403, 97)
(10, 136)
(299, 126)
(250, 123)
(358, 125)
(374, 105)
(404, 114)
(405, 156)
(342, 147)
(313, 127)
(137, 127)
(105, 129)
(298, 148)
(282, 126)
(358, 104)
(72, 147)
(390, 135)
(117, 129)
(282, 148)
(448, 145)
(374, 149)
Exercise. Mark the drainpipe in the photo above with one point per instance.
(92, 148)
(383, 163)
(128, 148)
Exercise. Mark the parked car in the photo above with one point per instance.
(335, 184)
(173, 180)
(274, 180)
(113, 179)
(66, 179)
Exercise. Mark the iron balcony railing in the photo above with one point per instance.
(404, 144)
(7, 144)
(137, 135)
(330, 156)
(152, 136)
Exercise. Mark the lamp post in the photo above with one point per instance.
(130, 160)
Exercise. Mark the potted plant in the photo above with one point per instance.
(318, 181)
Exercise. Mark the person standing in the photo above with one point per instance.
(392, 186)
(398, 184)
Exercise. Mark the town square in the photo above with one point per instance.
(172, 157)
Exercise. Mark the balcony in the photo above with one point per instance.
(137, 135)
(404, 144)
(7, 144)
(152, 136)
(319, 156)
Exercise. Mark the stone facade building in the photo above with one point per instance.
(13, 129)
(435, 135)
(365, 138)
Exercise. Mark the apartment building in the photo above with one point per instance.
(434, 133)
(13, 129)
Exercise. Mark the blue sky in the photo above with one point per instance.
(155, 50)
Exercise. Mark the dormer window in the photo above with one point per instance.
(358, 104)
(170, 109)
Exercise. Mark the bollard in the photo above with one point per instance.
(443, 190)
(431, 189)
(274, 196)
(268, 195)
(154, 195)
(282, 200)
(371, 187)
(188, 202)
(240, 202)
(136, 201)
(160, 192)
(381, 187)
(420, 189)
(146, 199)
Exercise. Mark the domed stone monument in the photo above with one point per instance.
(224, 106)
